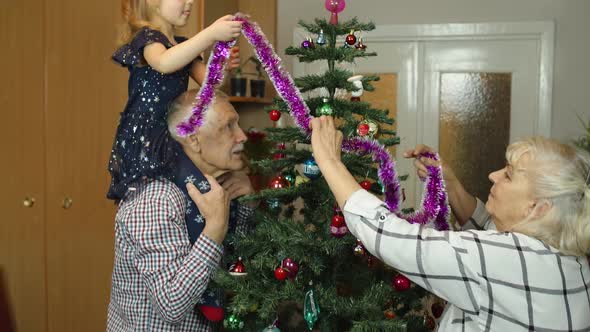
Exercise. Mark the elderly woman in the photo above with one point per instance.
(529, 274)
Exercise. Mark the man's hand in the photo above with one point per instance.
(237, 184)
(214, 206)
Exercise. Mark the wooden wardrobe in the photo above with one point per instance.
(60, 98)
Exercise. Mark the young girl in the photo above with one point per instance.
(159, 65)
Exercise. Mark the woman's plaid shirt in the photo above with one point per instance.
(493, 281)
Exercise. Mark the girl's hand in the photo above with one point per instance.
(225, 29)
(326, 141)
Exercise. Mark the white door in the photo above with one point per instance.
(465, 89)
(478, 97)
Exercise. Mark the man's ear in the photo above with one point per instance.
(194, 143)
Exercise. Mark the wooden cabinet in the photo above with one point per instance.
(60, 97)
(22, 198)
(85, 92)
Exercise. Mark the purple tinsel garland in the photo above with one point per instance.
(434, 207)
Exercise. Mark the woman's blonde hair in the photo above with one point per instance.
(136, 15)
(559, 174)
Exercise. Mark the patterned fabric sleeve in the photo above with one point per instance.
(131, 53)
(175, 274)
(437, 261)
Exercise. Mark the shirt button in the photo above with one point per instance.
(382, 217)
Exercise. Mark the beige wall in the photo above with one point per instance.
(572, 44)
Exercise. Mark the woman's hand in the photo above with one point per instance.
(462, 203)
(214, 206)
(326, 141)
(421, 162)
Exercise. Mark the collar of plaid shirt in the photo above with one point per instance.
(185, 171)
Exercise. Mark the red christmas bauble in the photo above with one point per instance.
(338, 227)
(274, 115)
(363, 129)
(238, 268)
(389, 314)
(351, 38)
(366, 184)
(278, 182)
(280, 273)
(337, 220)
(437, 310)
(400, 283)
(291, 266)
(367, 127)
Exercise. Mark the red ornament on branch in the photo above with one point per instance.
(338, 227)
(366, 184)
(238, 268)
(280, 273)
(401, 283)
(351, 38)
(437, 310)
(362, 129)
(274, 115)
(279, 182)
(291, 266)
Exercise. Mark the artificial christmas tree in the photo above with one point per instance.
(304, 268)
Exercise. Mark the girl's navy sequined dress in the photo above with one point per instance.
(142, 147)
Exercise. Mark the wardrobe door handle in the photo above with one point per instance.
(67, 203)
(29, 202)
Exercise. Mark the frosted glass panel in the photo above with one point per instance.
(474, 126)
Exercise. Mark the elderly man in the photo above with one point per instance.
(166, 249)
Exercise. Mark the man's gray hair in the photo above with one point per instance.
(181, 108)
